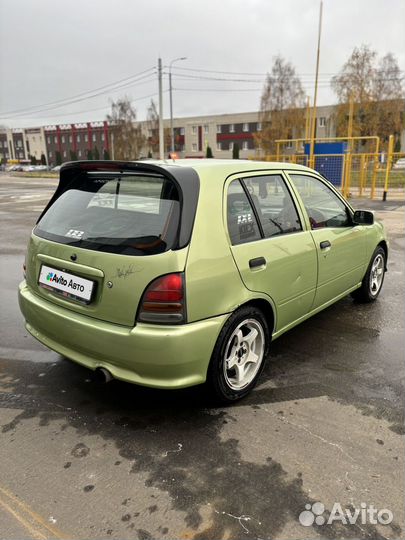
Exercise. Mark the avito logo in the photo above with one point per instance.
(52, 277)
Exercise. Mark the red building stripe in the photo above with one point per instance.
(74, 138)
(199, 138)
(230, 136)
(88, 136)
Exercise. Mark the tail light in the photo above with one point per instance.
(164, 301)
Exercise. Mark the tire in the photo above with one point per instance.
(237, 362)
(374, 278)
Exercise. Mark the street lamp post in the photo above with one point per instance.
(313, 125)
(171, 101)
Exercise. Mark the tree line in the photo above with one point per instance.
(373, 84)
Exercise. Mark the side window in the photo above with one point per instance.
(242, 224)
(274, 205)
(324, 207)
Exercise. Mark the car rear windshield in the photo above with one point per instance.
(123, 213)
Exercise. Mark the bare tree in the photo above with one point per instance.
(152, 124)
(377, 92)
(128, 137)
(388, 94)
(282, 106)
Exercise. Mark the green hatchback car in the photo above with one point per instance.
(173, 274)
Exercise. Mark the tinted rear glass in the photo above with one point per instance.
(118, 213)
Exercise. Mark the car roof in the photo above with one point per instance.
(227, 166)
(205, 168)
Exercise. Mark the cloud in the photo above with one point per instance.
(51, 50)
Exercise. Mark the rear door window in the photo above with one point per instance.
(242, 223)
(118, 213)
(274, 205)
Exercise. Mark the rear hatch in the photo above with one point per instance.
(110, 229)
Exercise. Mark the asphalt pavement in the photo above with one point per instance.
(79, 459)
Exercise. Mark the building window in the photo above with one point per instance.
(259, 126)
(70, 138)
(219, 128)
(64, 153)
(19, 143)
(206, 129)
(245, 145)
(181, 131)
(86, 138)
(194, 147)
(102, 137)
(78, 138)
(63, 139)
(245, 127)
(55, 139)
(48, 140)
(289, 144)
(219, 146)
(79, 153)
(322, 121)
(94, 137)
(21, 155)
(194, 130)
(50, 154)
(231, 146)
(231, 128)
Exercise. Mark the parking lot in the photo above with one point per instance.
(79, 459)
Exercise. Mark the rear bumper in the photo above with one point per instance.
(149, 355)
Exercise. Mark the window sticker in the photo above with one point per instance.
(74, 233)
(246, 225)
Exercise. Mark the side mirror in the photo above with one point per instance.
(363, 217)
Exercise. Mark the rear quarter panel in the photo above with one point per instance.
(213, 283)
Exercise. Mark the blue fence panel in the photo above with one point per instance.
(329, 165)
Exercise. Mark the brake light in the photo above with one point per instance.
(164, 301)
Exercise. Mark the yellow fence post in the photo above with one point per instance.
(389, 164)
(349, 173)
(362, 173)
(307, 121)
(375, 169)
(343, 187)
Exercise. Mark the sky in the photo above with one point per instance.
(52, 50)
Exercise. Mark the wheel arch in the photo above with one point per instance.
(384, 245)
(266, 308)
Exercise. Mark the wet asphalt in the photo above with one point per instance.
(79, 459)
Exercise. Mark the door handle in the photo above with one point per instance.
(325, 244)
(258, 261)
